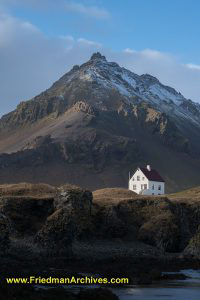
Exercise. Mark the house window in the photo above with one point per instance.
(142, 178)
(142, 186)
(138, 178)
(145, 186)
(134, 187)
(153, 187)
(159, 187)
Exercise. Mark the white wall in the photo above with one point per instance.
(133, 181)
(152, 186)
(156, 191)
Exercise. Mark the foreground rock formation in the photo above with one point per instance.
(43, 221)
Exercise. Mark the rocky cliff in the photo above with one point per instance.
(43, 221)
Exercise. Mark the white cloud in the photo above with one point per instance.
(89, 43)
(153, 54)
(31, 3)
(129, 51)
(11, 28)
(30, 62)
(92, 11)
(193, 66)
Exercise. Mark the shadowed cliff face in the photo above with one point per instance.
(171, 224)
(101, 120)
(40, 220)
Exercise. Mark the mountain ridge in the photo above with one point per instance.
(100, 117)
(88, 72)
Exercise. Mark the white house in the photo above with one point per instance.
(147, 181)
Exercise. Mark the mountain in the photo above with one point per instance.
(98, 122)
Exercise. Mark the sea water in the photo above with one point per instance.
(188, 289)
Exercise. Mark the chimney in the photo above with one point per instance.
(148, 167)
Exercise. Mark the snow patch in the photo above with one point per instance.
(164, 94)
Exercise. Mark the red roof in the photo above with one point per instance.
(152, 175)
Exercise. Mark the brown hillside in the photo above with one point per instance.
(189, 195)
(112, 195)
(27, 190)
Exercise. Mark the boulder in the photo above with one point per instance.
(161, 231)
(70, 220)
(57, 234)
(107, 223)
(27, 214)
(73, 197)
(193, 248)
(27, 205)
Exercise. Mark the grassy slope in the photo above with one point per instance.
(27, 189)
(189, 195)
(112, 195)
(115, 195)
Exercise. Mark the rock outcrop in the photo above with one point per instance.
(5, 230)
(161, 231)
(193, 247)
(27, 206)
(151, 221)
(171, 224)
(68, 220)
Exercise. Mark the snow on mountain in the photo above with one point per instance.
(110, 75)
(164, 95)
(102, 77)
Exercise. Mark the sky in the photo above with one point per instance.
(40, 40)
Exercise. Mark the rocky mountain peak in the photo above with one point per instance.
(98, 56)
(104, 85)
(75, 68)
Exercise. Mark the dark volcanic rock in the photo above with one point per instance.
(193, 248)
(5, 230)
(70, 220)
(27, 214)
(73, 197)
(57, 234)
(107, 223)
(117, 223)
(24, 209)
(161, 231)
(150, 220)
